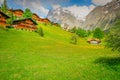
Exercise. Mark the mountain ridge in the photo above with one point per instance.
(64, 17)
(103, 16)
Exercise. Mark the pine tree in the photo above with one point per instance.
(113, 38)
(4, 6)
(27, 13)
(73, 39)
(81, 32)
(98, 33)
(40, 32)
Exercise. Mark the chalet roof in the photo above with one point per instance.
(4, 14)
(16, 10)
(97, 40)
(35, 14)
(24, 20)
(46, 19)
(54, 23)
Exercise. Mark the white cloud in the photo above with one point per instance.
(100, 2)
(56, 6)
(80, 11)
(40, 6)
(35, 5)
(1, 1)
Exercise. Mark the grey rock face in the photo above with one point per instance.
(103, 16)
(64, 17)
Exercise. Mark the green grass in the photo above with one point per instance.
(27, 56)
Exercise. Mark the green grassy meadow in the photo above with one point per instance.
(25, 55)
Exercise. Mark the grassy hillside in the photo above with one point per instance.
(25, 55)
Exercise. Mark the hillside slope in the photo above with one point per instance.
(25, 55)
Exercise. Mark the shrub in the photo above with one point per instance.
(74, 39)
(73, 30)
(3, 27)
(40, 32)
(81, 32)
(9, 27)
(89, 33)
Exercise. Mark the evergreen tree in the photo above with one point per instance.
(98, 33)
(81, 32)
(27, 13)
(89, 33)
(40, 32)
(74, 39)
(10, 20)
(4, 6)
(113, 38)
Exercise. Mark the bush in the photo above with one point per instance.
(81, 32)
(74, 39)
(9, 27)
(73, 30)
(40, 32)
(3, 27)
(89, 33)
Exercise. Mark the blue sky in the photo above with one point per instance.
(80, 2)
(78, 7)
(64, 3)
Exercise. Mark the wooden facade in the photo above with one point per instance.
(35, 17)
(3, 19)
(55, 24)
(40, 20)
(45, 20)
(17, 12)
(94, 41)
(25, 24)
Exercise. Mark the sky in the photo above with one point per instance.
(80, 8)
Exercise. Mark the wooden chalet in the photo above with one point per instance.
(25, 24)
(40, 20)
(35, 17)
(17, 12)
(94, 41)
(45, 20)
(3, 18)
(55, 24)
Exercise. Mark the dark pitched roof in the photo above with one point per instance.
(35, 14)
(97, 40)
(46, 19)
(4, 14)
(24, 20)
(16, 10)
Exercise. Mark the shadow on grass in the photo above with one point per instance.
(109, 62)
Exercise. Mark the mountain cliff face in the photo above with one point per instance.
(64, 17)
(103, 16)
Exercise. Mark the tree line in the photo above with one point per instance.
(111, 37)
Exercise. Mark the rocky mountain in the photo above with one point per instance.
(64, 17)
(103, 16)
